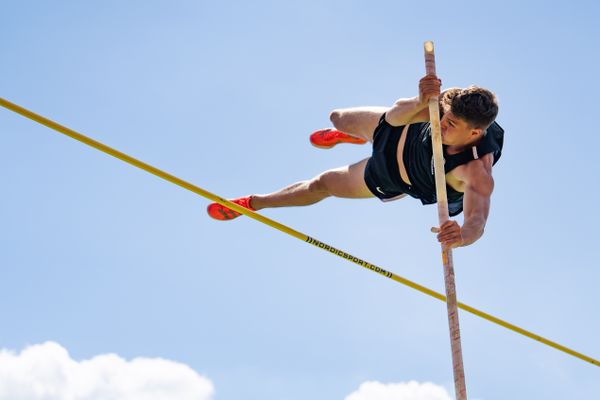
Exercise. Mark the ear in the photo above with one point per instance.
(476, 132)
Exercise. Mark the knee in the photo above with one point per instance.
(320, 183)
(336, 118)
(345, 121)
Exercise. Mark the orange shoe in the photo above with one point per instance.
(222, 213)
(329, 137)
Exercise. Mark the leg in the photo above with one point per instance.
(347, 182)
(358, 122)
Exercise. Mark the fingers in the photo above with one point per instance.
(429, 86)
(430, 77)
(450, 224)
(448, 231)
(449, 234)
(430, 81)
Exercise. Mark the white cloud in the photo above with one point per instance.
(47, 372)
(399, 391)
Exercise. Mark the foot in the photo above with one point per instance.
(327, 138)
(222, 213)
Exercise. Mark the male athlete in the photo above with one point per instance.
(402, 159)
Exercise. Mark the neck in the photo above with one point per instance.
(455, 149)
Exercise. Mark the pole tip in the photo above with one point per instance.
(429, 46)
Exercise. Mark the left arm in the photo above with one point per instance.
(476, 207)
(479, 184)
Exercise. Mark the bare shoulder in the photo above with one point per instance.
(476, 175)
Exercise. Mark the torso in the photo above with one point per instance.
(456, 178)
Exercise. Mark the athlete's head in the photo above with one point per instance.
(466, 114)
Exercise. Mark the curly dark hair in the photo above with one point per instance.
(475, 105)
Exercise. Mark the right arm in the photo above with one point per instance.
(407, 111)
(415, 109)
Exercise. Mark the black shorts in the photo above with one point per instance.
(382, 174)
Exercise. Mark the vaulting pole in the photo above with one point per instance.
(443, 216)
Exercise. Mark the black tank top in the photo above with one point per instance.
(418, 159)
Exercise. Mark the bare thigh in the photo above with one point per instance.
(359, 121)
(347, 182)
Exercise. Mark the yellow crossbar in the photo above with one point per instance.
(274, 224)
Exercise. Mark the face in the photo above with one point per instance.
(457, 132)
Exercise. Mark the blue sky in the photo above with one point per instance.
(103, 258)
